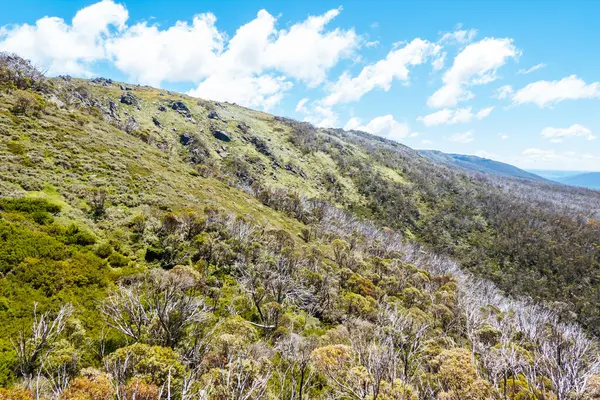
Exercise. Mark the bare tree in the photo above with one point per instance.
(34, 344)
(158, 307)
(294, 372)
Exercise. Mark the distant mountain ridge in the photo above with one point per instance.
(481, 165)
(589, 180)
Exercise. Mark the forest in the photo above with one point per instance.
(156, 246)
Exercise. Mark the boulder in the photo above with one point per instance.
(128, 98)
(156, 122)
(186, 139)
(162, 108)
(102, 81)
(224, 136)
(181, 108)
(213, 115)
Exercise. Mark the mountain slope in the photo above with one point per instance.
(478, 164)
(218, 241)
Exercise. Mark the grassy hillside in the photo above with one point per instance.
(155, 243)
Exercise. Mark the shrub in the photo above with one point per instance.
(93, 388)
(28, 205)
(117, 260)
(15, 394)
(31, 104)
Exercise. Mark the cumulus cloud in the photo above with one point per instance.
(182, 52)
(466, 137)
(557, 135)
(254, 68)
(546, 93)
(448, 116)
(65, 48)
(477, 64)
(318, 114)
(381, 74)
(530, 70)
(306, 52)
(385, 126)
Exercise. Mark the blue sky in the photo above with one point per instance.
(509, 80)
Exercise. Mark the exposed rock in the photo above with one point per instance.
(213, 115)
(181, 108)
(112, 110)
(261, 146)
(242, 126)
(65, 77)
(156, 122)
(59, 103)
(131, 125)
(102, 81)
(295, 170)
(122, 87)
(128, 98)
(186, 139)
(162, 108)
(224, 136)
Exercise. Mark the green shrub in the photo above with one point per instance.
(28, 205)
(118, 260)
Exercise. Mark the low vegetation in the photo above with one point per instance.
(143, 256)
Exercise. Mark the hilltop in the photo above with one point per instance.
(479, 164)
(215, 241)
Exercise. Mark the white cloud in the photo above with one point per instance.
(466, 137)
(373, 43)
(318, 114)
(65, 48)
(381, 74)
(306, 52)
(300, 106)
(503, 92)
(551, 159)
(545, 93)
(438, 62)
(484, 112)
(264, 91)
(503, 136)
(459, 36)
(530, 70)
(460, 115)
(385, 126)
(477, 64)
(182, 52)
(556, 135)
(254, 68)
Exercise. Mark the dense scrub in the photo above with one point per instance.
(144, 256)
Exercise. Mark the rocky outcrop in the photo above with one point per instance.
(129, 99)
